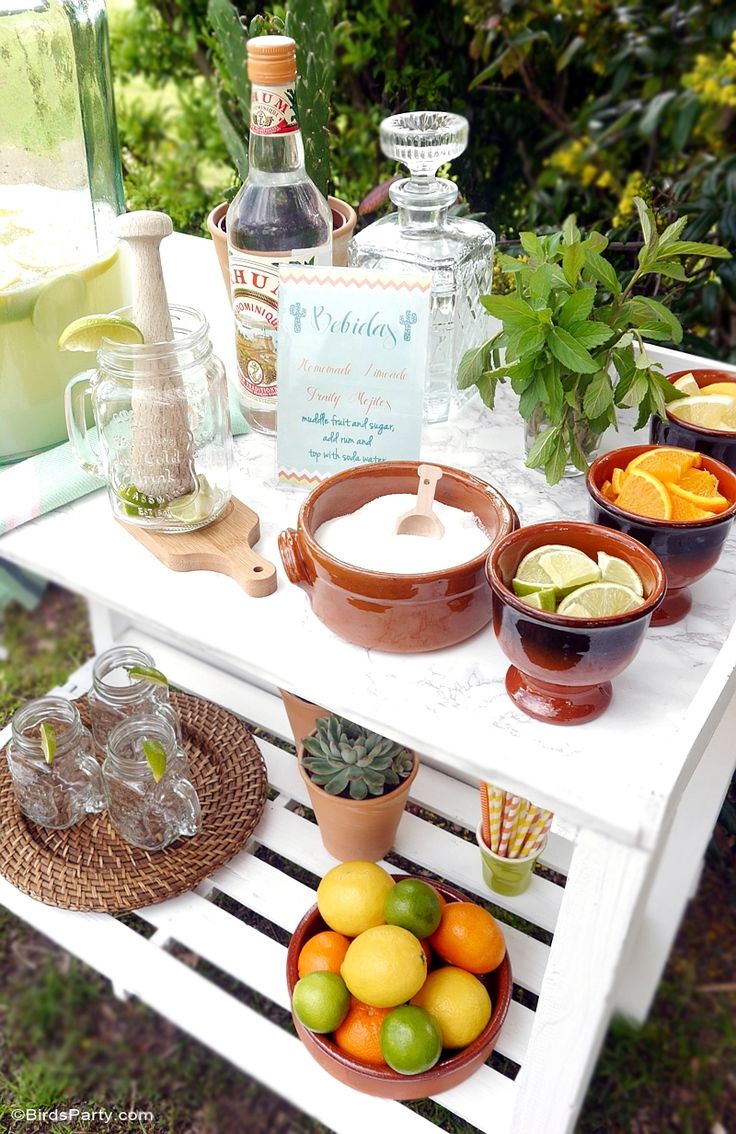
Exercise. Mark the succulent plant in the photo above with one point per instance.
(309, 23)
(347, 759)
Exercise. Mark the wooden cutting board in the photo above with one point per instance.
(225, 546)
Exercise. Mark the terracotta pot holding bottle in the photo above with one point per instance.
(351, 829)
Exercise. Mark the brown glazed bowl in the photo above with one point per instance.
(562, 666)
(453, 1066)
(686, 549)
(400, 613)
(717, 443)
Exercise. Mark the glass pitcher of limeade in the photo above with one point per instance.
(162, 437)
(60, 190)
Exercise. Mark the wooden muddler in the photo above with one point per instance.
(162, 456)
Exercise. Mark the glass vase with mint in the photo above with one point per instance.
(278, 217)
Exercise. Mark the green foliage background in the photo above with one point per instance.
(574, 105)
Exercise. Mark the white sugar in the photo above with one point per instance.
(365, 538)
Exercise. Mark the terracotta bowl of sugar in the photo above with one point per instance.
(404, 594)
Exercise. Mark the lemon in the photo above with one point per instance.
(599, 600)
(458, 1003)
(710, 411)
(687, 385)
(42, 252)
(9, 276)
(89, 332)
(384, 966)
(350, 897)
(321, 1001)
(57, 303)
(726, 388)
(410, 1040)
(615, 570)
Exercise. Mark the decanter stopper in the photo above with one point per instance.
(423, 141)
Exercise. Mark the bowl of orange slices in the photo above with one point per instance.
(705, 418)
(678, 502)
(384, 1039)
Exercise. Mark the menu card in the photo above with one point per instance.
(352, 362)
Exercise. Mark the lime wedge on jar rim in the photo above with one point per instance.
(615, 570)
(48, 741)
(88, 332)
(155, 754)
(147, 673)
(599, 600)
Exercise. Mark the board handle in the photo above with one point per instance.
(255, 575)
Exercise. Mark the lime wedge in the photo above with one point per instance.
(136, 503)
(48, 741)
(147, 673)
(710, 411)
(155, 753)
(195, 506)
(530, 576)
(569, 568)
(687, 385)
(615, 570)
(542, 600)
(88, 332)
(599, 600)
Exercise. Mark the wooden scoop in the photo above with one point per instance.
(421, 520)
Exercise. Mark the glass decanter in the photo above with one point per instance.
(423, 235)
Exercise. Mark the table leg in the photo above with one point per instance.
(605, 891)
(106, 625)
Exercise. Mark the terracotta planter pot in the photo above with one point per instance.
(344, 219)
(350, 828)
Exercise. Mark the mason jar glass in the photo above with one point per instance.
(163, 441)
(116, 696)
(61, 793)
(147, 813)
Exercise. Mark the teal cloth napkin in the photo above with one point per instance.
(49, 480)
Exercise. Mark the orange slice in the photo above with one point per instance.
(683, 510)
(608, 490)
(701, 489)
(665, 463)
(644, 495)
(617, 479)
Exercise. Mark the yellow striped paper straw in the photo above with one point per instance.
(538, 833)
(496, 799)
(523, 826)
(510, 812)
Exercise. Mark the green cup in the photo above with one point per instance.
(509, 876)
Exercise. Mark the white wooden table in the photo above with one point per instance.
(635, 793)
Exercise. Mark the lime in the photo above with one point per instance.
(321, 1001)
(137, 503)
(48, 741)
(615, 570)
(195, 506)
(710, 411)
(350, 897)
(687, 385)
(155, 754)
(413, 905)
(411, 1041)
(569, 568)
(458, 1003)
(147, 673)
(42, 252)
(384, 966)
(599, 600)
(542, 600)
(530, 576)
(89, 332)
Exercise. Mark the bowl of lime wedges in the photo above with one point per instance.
(571, 605)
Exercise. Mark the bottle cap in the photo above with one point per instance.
(272, 60)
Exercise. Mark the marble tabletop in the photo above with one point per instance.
(617, 774)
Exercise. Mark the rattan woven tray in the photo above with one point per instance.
(89, 867)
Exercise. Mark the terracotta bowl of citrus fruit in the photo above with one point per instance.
(571, 605)
(705, 419)
(383, 1009)
(677, 502)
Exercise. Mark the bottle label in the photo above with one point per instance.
(254, 287)
(273, 110)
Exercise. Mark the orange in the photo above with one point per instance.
(469, 938)
(700, 488)
(667, 464)
(683, 510)
(359, 1035)
(645, 495)
(324, 952)
(617, 479)
(607, 490)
